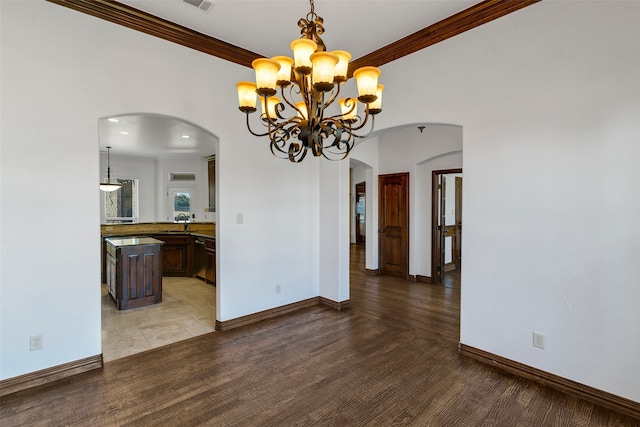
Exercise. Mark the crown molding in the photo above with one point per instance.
(472, 17)
(135, 19)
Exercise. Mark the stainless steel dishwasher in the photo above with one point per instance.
(199, 266)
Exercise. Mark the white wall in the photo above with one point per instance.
(333, 229)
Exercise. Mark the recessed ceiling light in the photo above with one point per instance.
(186, 136)
(113, 120)
(124, 133)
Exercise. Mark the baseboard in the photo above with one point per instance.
(45, 376)
(342, 305)
(593, 395)
(423, 279)
(371, 272)
(227, 325)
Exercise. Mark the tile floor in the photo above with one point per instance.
(188, 309)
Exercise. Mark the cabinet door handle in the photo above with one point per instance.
(381, 230)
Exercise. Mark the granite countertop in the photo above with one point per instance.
(160, 233)
(206, 236)
(133, 241)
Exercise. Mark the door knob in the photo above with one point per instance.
(381, 230)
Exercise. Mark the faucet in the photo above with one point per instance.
(184, 217)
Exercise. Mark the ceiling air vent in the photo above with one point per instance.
(200, 4)
(182, 177)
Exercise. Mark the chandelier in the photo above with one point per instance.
(309, 83)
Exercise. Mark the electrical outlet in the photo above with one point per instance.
(538, 340)
(35, 342)
(278, 289)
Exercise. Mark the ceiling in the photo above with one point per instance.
(267, 27)
(154, 135)
(375, 32)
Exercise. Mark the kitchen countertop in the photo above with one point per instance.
(206, 236)
(160, 233)
(133, 241)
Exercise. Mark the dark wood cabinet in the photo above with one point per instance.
(134, 271)
(177, 258)
(210, 260)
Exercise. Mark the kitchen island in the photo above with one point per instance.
(178, 238)
(134, 270)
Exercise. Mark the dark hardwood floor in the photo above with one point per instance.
(390, 360)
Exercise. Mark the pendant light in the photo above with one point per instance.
(109, 185)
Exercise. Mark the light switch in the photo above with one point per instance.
(239, 218)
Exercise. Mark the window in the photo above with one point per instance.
(121, 206)
(181, 206)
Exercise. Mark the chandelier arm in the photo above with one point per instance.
(333, 95)
(251, 130)
(296, 152)
(286, 98)
(276, 151)
(373, 118)
(363, 122)
(338, 117)
(339, 148)
(346, 127)
(279, 137)
(300, 114)
(330, 155)
(307, 93)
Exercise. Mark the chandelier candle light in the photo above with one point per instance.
(309, 83)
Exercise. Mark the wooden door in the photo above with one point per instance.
(394, 224)
(360, 212)
(438, 228)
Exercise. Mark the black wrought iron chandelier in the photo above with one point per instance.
(313, 77)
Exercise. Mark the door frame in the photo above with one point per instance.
(360, 185)
(436, 271)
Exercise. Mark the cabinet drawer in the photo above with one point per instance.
(210, 244)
